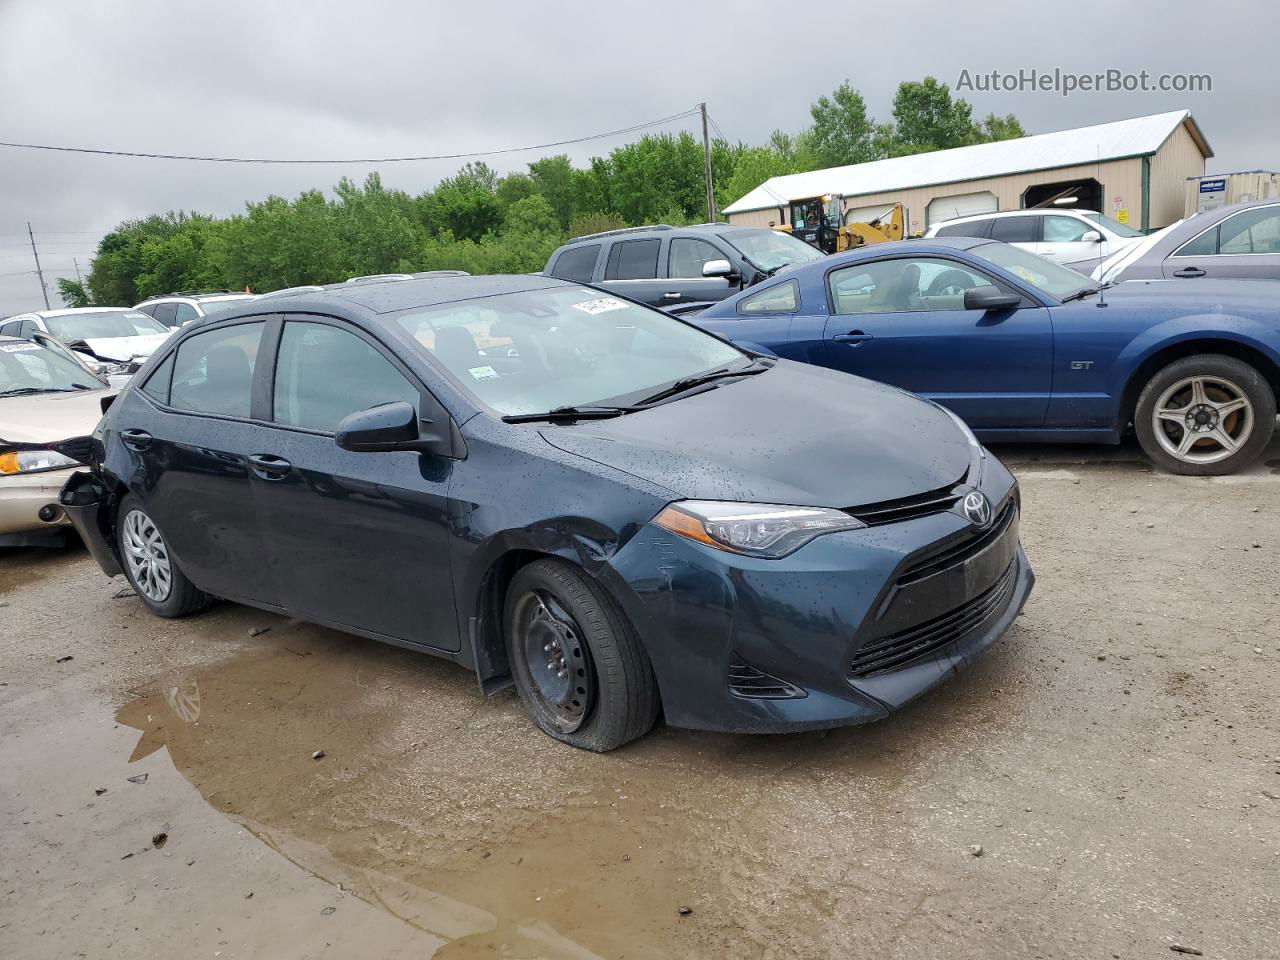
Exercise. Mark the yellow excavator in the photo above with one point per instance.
(820, 221)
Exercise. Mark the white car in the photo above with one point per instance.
(116, 337)
(176, 309)
(1079, 239)
(46, 396)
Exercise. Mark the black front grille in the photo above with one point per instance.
(899, 649)
(908, 508)
(746, 681)
(958, 552)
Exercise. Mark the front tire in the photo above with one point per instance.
(148, 565)
(578, 665)
(1205, 415)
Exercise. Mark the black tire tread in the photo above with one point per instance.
(627, 699)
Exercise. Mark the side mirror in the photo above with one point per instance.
(1091, 236)
(717, 268)
(387, 427)
(990, 298)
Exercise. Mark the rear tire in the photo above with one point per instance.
(1205, 415)
(578, 665)
(149, 567)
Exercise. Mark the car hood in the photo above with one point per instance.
(795, 434)
(123, 349)
(43, 417)
(1253, 298)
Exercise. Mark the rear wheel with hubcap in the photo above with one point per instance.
(1205, 415)
(148, 565)
(580, 669)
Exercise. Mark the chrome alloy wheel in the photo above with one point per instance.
(1202, 419)
(556, 658)
(147, 556)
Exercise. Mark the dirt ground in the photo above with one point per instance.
(1116, 758)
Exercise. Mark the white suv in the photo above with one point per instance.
(176, 309)
(1079, 239)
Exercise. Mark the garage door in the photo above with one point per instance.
(962, 205)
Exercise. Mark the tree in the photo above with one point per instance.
(553, 177)
(1001, 128)
(842, 131)
(73, 293)
(927, 118)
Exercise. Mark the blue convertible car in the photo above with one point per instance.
(1024, 349)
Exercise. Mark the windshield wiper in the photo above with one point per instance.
(1080, 294)
(688, 383)
(24, 391)
(586, 412)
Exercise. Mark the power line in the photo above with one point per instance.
(439, 156)
(716, 127)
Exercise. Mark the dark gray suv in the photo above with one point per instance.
(668, 266)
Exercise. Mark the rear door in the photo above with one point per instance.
(187, 439)
(902, 320)
(631, 269)
(1021, 231)
(354, 539)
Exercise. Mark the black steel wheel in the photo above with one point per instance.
(580, 669)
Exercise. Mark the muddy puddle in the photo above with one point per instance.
(453, 815)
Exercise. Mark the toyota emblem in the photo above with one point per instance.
(977, 508)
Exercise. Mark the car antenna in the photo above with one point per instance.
(1102, 297)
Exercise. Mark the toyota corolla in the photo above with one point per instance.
(618, 513)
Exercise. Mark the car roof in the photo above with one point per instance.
(1000, 214)
(390, 296)
(663, 229)
(70, 311)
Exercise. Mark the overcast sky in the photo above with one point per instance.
(324, 78)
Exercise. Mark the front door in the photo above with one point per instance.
(902, 320)
(354, 539)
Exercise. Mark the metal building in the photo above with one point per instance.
(1134, 171)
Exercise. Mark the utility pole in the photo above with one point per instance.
(39, 272)
(77, 266)
(706, 165)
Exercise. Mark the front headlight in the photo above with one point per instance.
(33, 461)
(767, 530)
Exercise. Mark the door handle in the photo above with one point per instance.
(269, 467)
(671, 296)
(855, 338)
(1189, 272)
(136, 439)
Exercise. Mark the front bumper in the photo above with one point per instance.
(846, 630)
(22, 497)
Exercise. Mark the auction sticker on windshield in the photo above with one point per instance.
(483, 373)
(18, 347)
(600, 305)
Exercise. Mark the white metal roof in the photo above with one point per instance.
(1044, 151)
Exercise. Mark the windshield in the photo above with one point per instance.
(565, 346)
(104, 325)
(1115, 226)
(30, 368)
(770, 250)
(1054, 280)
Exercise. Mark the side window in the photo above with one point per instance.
(686, 256)
(213, 371)
(1205, 245)
(10, 329)
(186, 313)
(905, 285)
(157, 385)
(1064, 229)
(148, 308)
(164, 312)
(324, 373)
(577, 263)
(974, 228)
(633, 260)
(27, 329)
(1250, 231)
(784, 298)
(1015, 229)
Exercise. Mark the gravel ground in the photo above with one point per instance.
(1104, 783)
